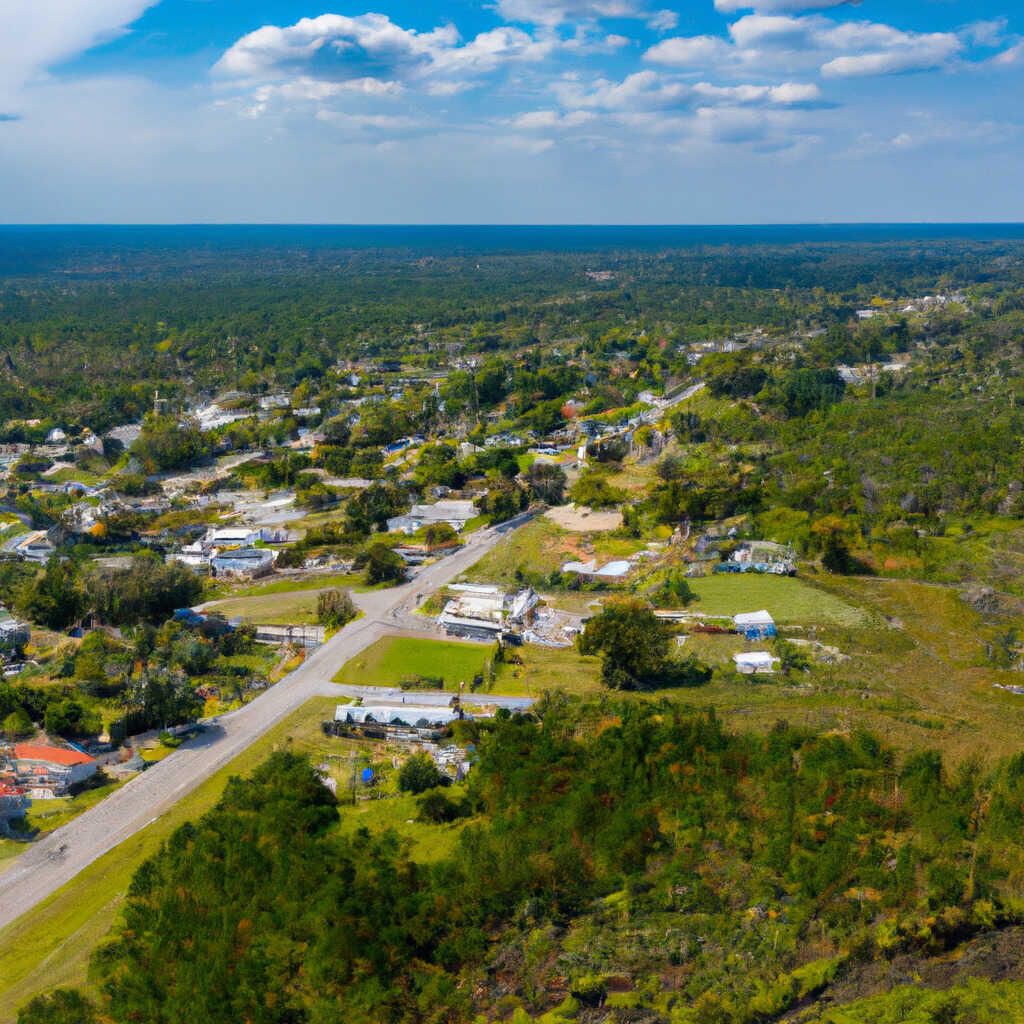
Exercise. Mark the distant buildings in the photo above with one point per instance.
(455, 513)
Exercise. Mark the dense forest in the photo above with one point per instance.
(624, 861)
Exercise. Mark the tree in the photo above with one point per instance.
(674, 592)
(634, 646)
(18, 725)
(791, 658)
(165, 445)
(594, 491)
(335, 608)
(55, 598)
(439, 535)
(419, 774)
(69, 718)
(63, 1006)
(381, 564)
(546, 482)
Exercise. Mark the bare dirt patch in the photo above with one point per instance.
(580, 519)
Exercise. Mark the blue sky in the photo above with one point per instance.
(510, 111)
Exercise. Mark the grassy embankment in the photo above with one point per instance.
(51, 946)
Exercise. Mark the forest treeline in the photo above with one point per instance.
(628, 854)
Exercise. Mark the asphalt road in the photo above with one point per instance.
(47, 865)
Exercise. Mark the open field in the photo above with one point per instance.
(548, 668)
(51, 946)
(296, 608)
(537, 547)
(578, 519)
(287, 585)
(389, 661)
(787, 599)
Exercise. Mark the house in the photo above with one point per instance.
(56, 436)
(14, 634)
(752, 662)
(36, 547)
(232, 537)
(402, 714)
(455, 513)
(755, 625)
(13, 803)
(49, 772)
(247, 563)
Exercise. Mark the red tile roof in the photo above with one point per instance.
(55, 755)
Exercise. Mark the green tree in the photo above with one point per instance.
(55, 598)
(546, 482)
(419, 774)
(18, 725)
(381, 564)
(335, 608)
(63, 1006)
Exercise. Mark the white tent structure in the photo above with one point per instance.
(751, 662)
(399, 714)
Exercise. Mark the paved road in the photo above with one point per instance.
(47, 865)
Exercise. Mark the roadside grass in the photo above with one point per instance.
(392, 659)
(537, 547)
(50, 947)
(49, 815)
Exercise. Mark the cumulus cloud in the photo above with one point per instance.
(36, 36)
(689, 51)
(333, 47)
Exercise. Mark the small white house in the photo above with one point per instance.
(455, 513)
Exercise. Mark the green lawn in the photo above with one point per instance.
(787, 599)
(392, 659)
(76, 474)
(548, 668)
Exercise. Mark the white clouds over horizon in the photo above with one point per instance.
(537, 89)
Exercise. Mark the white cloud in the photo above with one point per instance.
(35, 36)
(663, 21)
(333, 47)
(776, 6)
(561, 12)
(985, 33)
(845, 49)
(1008, 58)
(650, 90)
(689, 51)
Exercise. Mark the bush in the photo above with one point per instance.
(419, 774)
(436, 809)
(335, 608)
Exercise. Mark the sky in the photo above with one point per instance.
(511, 111)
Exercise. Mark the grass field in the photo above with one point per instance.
(786, 598)
(297, 608)
(548, 668)
(389, 661)
(51, 947)
(288, 585)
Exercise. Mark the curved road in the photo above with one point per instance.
(47, 865)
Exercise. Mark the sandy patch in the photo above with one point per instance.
(580, 519)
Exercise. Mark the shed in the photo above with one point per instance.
(755, 625)
(751, 662)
